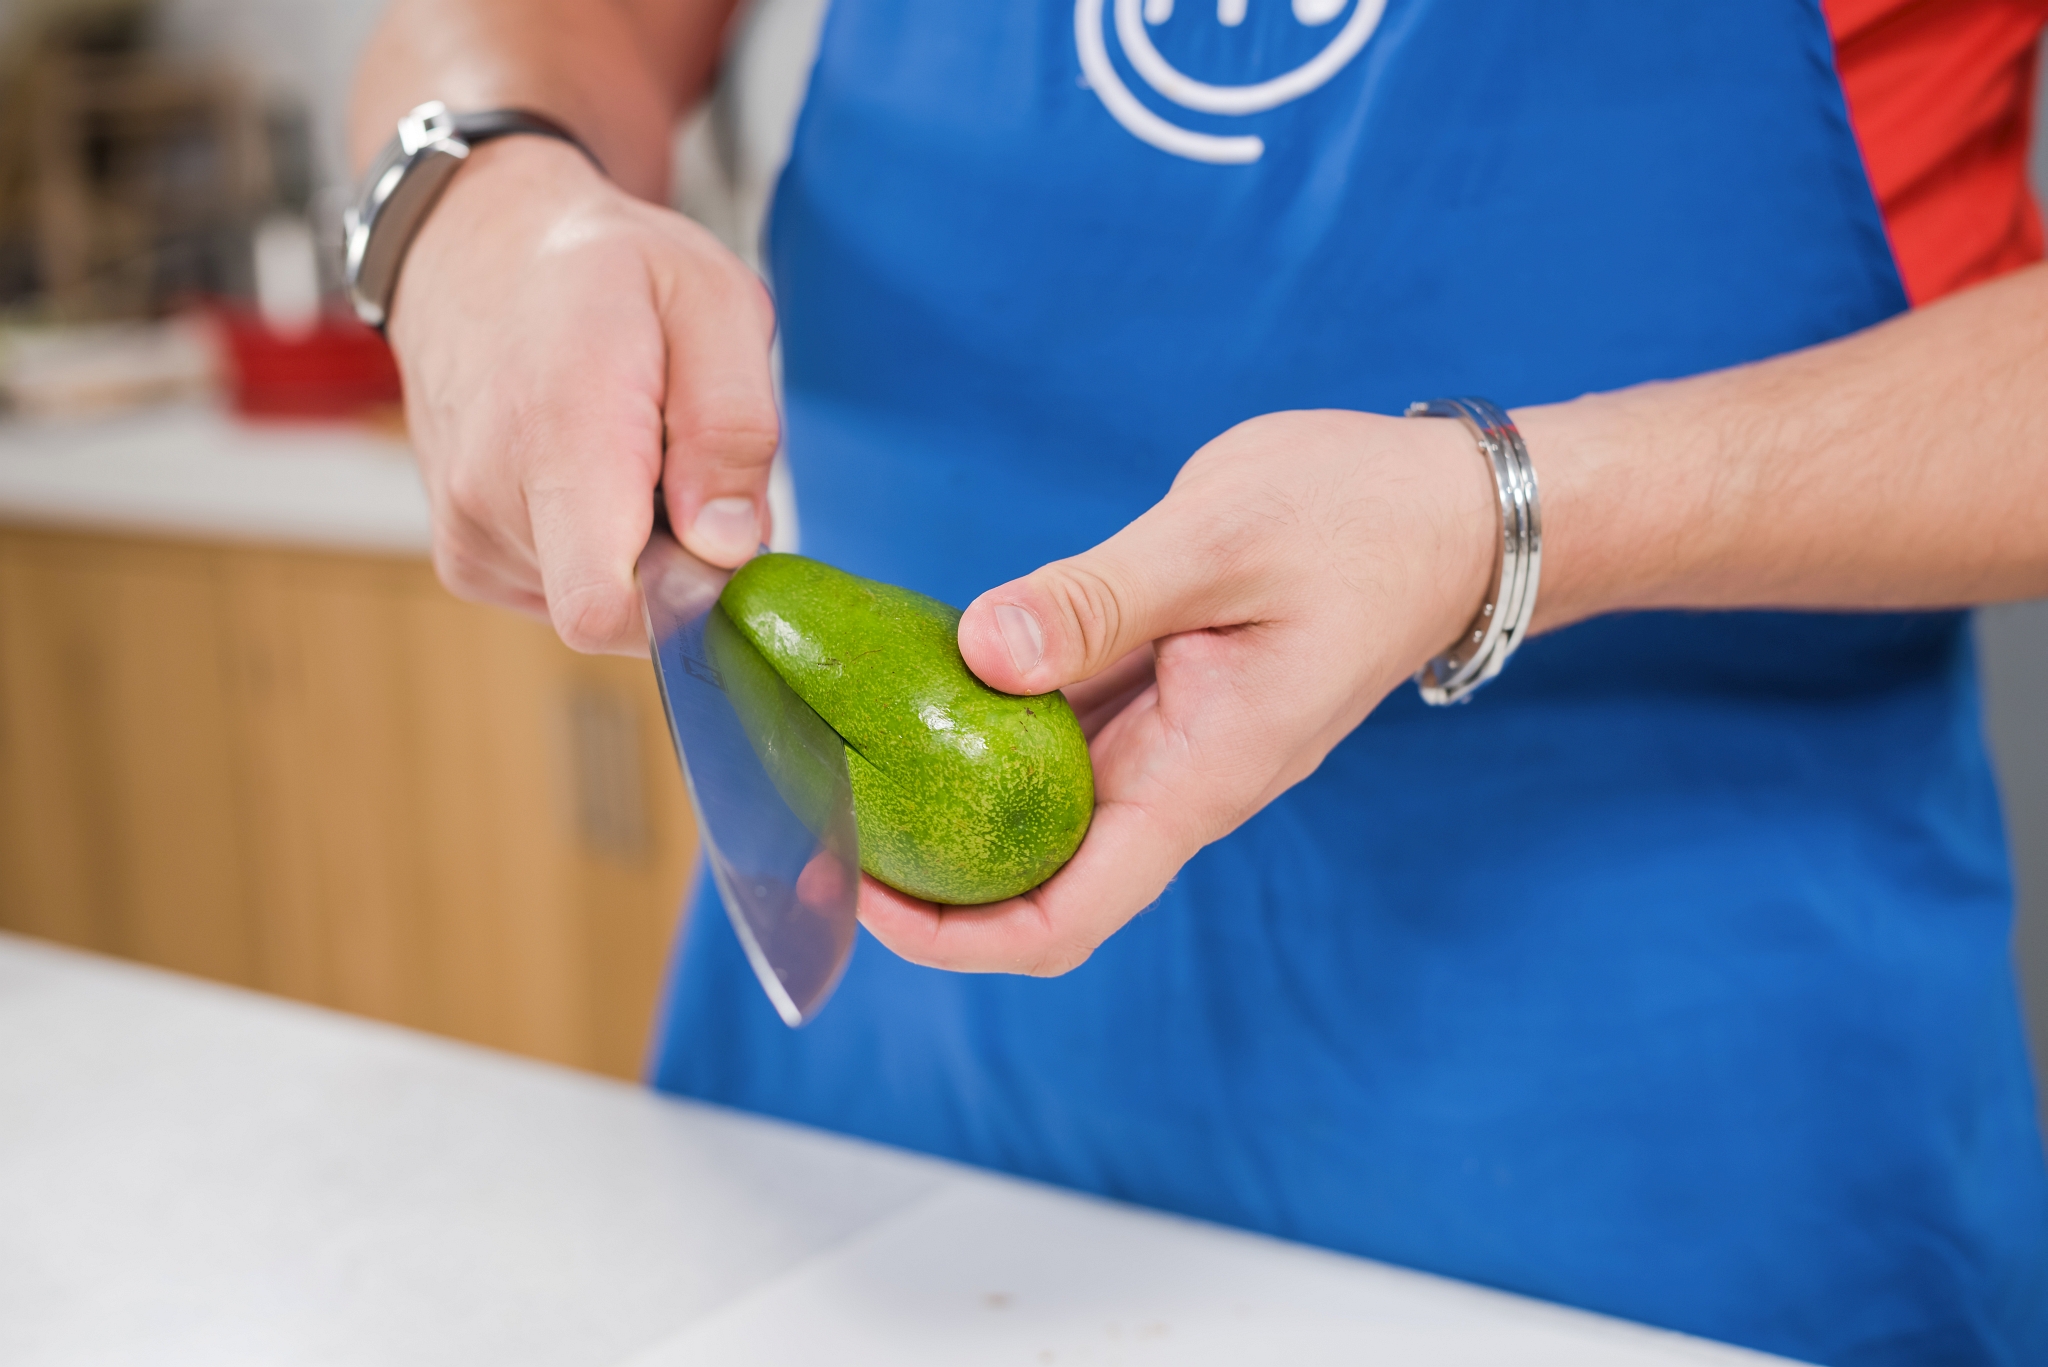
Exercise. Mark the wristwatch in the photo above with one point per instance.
(403, 185)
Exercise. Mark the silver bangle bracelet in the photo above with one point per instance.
(1477, 655)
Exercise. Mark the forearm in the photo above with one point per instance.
(1903, 467)
(617, 72)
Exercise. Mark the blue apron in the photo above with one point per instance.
(1671, 977)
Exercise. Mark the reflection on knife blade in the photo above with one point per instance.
(768, 780)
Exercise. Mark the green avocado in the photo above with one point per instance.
(961, 794)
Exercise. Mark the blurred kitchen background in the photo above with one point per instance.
(243, 733)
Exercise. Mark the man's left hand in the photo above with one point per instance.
(1301, 567)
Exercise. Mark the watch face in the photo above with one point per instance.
(355, 236)
(400, 196)
(368, 287)
(356, 223)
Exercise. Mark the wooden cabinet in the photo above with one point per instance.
(321, 776)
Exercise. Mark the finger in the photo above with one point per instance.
(1175, 768)
(589, 500)
(477, 580)
(1098, 699)
(1119, 870)
(722, 428)
(479, 567)
(1172, 570)
(822, 882)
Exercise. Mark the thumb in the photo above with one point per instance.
(721, 424)
(1076, 617)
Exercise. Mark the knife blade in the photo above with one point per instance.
(768, 779)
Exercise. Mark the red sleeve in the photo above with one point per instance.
(1941, 96)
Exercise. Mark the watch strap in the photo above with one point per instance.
(408, 178)
(483, 125)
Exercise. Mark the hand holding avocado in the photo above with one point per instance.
(1214, 651)
(1302, 566)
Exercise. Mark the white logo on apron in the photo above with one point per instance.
(1132, 19)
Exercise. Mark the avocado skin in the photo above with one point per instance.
(962, 795)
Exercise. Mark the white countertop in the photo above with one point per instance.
(195, 470)
(191, 1174)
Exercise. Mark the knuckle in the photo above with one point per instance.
(706, 280)
(467, 490)
(1089, 604)
(731, 283)
(737, 432)
(1225, 519)
(764, 305)
(752, 296)
(461, 573)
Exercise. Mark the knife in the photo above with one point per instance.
(768, 779)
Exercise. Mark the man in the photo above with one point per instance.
(1670, 977)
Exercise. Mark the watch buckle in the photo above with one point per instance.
(424, 126)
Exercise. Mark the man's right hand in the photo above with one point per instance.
(566, 348)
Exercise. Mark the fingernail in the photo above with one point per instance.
(727, 527)
(1021, 635)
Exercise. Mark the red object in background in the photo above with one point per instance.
(340, 369)
(1941, 93)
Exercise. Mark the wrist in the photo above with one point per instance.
(1464, 532)
(1477, 652)
(513, 182)
(1613, 539)
(502, 204)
